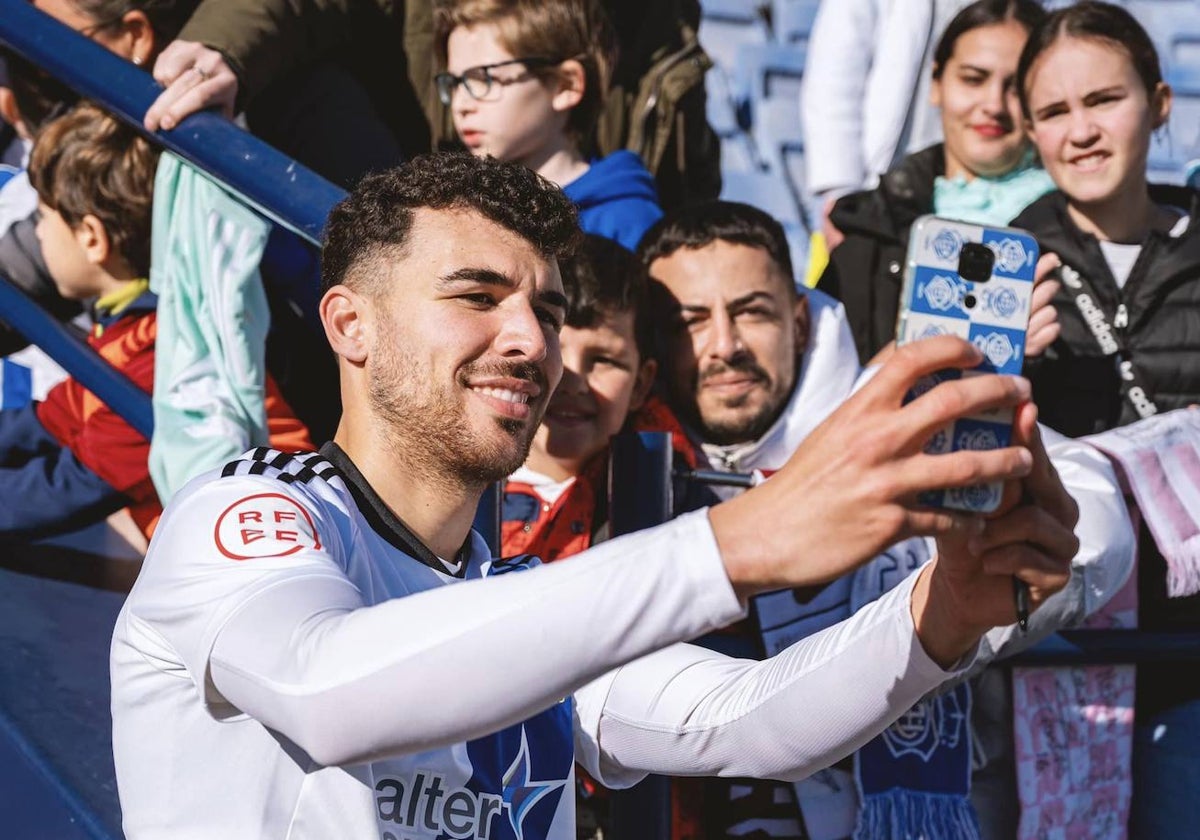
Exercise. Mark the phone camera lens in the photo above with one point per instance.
(975, 262)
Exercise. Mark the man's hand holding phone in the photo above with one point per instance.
(1029, 542)
(853, 488)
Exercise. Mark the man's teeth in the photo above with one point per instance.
(504, 394)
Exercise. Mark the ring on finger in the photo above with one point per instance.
(201, 72)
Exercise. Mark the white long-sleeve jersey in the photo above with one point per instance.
(293, 663)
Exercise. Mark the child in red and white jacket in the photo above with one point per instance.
(70, 460)
(556, 504)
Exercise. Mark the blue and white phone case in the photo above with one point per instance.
(993, 315)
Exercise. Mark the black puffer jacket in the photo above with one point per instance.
(866, 271)
(1078, 390)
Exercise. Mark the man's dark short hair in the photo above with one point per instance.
(375, 220)
(729, 221)
(604, 278)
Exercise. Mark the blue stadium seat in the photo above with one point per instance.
(739, 155)
(727, 25)
(1178, 35)
(779, 140)
(764, 190)
(767, 192)
(719, 107)
(777, 124)
(792, 20)
(1184, 124)
(768, 71)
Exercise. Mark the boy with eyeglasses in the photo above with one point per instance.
(524, 82)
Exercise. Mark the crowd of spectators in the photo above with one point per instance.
(683, 312)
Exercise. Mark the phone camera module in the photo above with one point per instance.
(975, 262)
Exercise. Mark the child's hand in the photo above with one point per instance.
(1043, 317)
(194, 77)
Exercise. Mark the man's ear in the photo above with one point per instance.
(643, 384)
(93, 239)
(802, 316)
(570, 87)
(346, 317)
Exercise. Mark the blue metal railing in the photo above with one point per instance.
(75, 356)
(271, 182)
(274, 184)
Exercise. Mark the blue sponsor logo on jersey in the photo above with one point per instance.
(528, 767)
(519, 776)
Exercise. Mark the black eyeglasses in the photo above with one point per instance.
(478, 81)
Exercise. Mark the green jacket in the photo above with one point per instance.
(265, 40)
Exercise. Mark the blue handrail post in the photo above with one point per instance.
(77, 358)
(639, 491)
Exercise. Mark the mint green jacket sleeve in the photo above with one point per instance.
(210, 362)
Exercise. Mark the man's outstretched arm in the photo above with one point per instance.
(291, 643)
(688, 711)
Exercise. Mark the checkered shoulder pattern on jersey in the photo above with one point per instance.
(287, 467)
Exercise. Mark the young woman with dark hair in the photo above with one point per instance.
(983, 172)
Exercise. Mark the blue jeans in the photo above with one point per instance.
(1166, 775)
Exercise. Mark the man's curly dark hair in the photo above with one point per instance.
(374, 221)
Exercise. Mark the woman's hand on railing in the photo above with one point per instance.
(195, 77)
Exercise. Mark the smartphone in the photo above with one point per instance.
(975, 282)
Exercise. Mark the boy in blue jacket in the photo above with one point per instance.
(524, 82)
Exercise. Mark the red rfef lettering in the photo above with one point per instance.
(269, 510)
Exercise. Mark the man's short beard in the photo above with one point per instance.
(739, 430)
(431, 435)
(745, 429)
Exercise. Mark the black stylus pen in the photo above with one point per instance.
(1021, 597)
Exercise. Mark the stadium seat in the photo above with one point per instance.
(1184, 123)
(727, 25)
(777, 123)
(792, 20)
(780, 142)
(1174, 26)
(767, 71)
(764, 190)
(738, 155)
(719, 107)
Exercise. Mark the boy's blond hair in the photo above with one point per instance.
(555, 29)
(88, 163)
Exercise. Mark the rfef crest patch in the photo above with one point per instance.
(265, 525)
